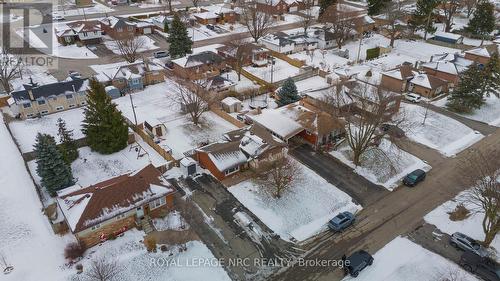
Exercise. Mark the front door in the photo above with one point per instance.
(139, 212)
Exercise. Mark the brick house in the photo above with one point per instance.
(118, 28)
(427, 85)
(445, 70)
(252, 54)
(83, 32)
(397, 79)
(481, 55)
(241, 149)
(36, 100)
(205, 64)
(273, 7)
(206, 18)
(110, 207)
(368, 99)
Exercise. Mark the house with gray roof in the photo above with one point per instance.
(204, 64)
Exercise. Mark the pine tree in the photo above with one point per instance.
(483, 20)
(492, 74)
(180, 43)
(51, 167)
(375, 7)
(324, 4)
(468, 95)
(165, 26)
(103, 125)
(68, 147)
(423, 18)
(288, 93)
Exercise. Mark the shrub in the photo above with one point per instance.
(73, 251)
(111, 236)
(372, 53)
(150, 243)
(460, 213)
(79, 268)
(163, 248)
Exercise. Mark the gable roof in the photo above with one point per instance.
(68, 86)
(89, 206)
(116, 22)
(205, 57)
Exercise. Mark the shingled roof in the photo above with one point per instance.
(89, 206)
(38, 91)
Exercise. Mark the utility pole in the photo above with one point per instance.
(359, 47)
(84, 15)
(133, 108)
(426, 111)
(272, 68)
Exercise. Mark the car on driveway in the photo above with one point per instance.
(57, 17)
(358, 261)
(414, 98)
(341, 221)
(414, 177)
(160, 54)
(464, 242)
(484, 267)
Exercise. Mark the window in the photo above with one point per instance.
(71, 105)
(26, 105)
(85, 34)
(83, 103)
(129, 28)
(120, 216)
(41, 102)
(231, 170)
(69, 96)
(44, 112)
(96, 226)
(157, 203)
(29, 115)
(59, 108)
(119, 29)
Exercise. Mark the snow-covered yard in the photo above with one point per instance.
(439, 132)
(488, 113)
(403, 260)
(385, 166)
(25, 131)
(281, 70)
(471, 225)
(302, 211)
(311, 84)
(70, 11)
(323, 59)
(147, 44)
(172, 221)
(136, 264)
(244, 84)
(27, 240)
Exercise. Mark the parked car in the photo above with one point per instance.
(358, 261)
(210, 26)
(341, 221)
(160, 54)
(57, 17)
(484, 267)
(413, 97)
(414, 178)
(464, 242)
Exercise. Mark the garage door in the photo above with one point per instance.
(147, 30)
(293, 9)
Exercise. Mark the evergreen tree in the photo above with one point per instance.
(483, 20)
(180, 43)
(68, 147)
(492, 74)
(288, 93)
(324, 4)
(468, 95)
(165, 26)
(423, 17)
(51, 167)
(103, 124)
(375, 7)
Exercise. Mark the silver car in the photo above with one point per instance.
(464, 242)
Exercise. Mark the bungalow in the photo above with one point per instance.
(97, 212)
(130, 76)
(273, 7)
(278, 42)
(445, 70)
(83, 32)
(206, 17)
(481, 55)
(396, 80)
(35, 100)
(427, 85)
(303, 42)
(205, 64)
(252, 54)
(368, 99)
(118, 28)
(225, 15)
(240, 149)
(447, 37)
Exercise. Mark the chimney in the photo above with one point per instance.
(30, 93)
(259, 111)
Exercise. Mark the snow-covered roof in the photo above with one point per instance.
(229, 101)
(482, 52)
(447, 35)
(421, 79)
(442, 66)
(193, 60)
(124, 70)
(206, 15)
(277, 123)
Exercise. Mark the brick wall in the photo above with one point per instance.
(206, 163)
(392, 84)
(91, 238)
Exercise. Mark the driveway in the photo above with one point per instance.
(335, 172)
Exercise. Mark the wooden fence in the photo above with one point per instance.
(294, 62)
(146, 138)
(224, 115)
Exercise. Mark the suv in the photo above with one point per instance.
(358, 261)
(341, 221)
(414, 178)
(160, 54)
(484, 267)
(414, 98)
(464, 242)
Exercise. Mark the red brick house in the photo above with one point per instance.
(427, 85)
(396, 80)
(206, 64)
(273, 7)
(83, 32)
(108, 208)
(480, 55)
(445, 70)
(241, 149)
(252, 54)
(118, 28)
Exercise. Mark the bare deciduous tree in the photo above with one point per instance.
(102, 269)
(484, 196)
(449, 8)
(242, 50)
(194, 99)
(129, 47)
(195, 3)
(342, 24)
(10, 68)
(279, 175)
(307, 15)
(469, 5)
(258, 23)
(393, 16)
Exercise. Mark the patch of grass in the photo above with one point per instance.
(460, 213)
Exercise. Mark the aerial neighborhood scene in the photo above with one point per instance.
(280, 140)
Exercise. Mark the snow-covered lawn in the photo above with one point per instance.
(27, 240)
(302, 211)
(98, 8)
(439, 132)
(183, 136)
(403, 260)
(385, 166)
(244, 84)
(471, 225)
(25, 131)
(323, 59)
(172, 221)
(281, 70)
(148, 44)
(73, 52)
(488, 113)
(136, 264)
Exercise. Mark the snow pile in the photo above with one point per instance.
(402, 260)
(172, 221)
(384, 166)
(439, 132)
(302, 211)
